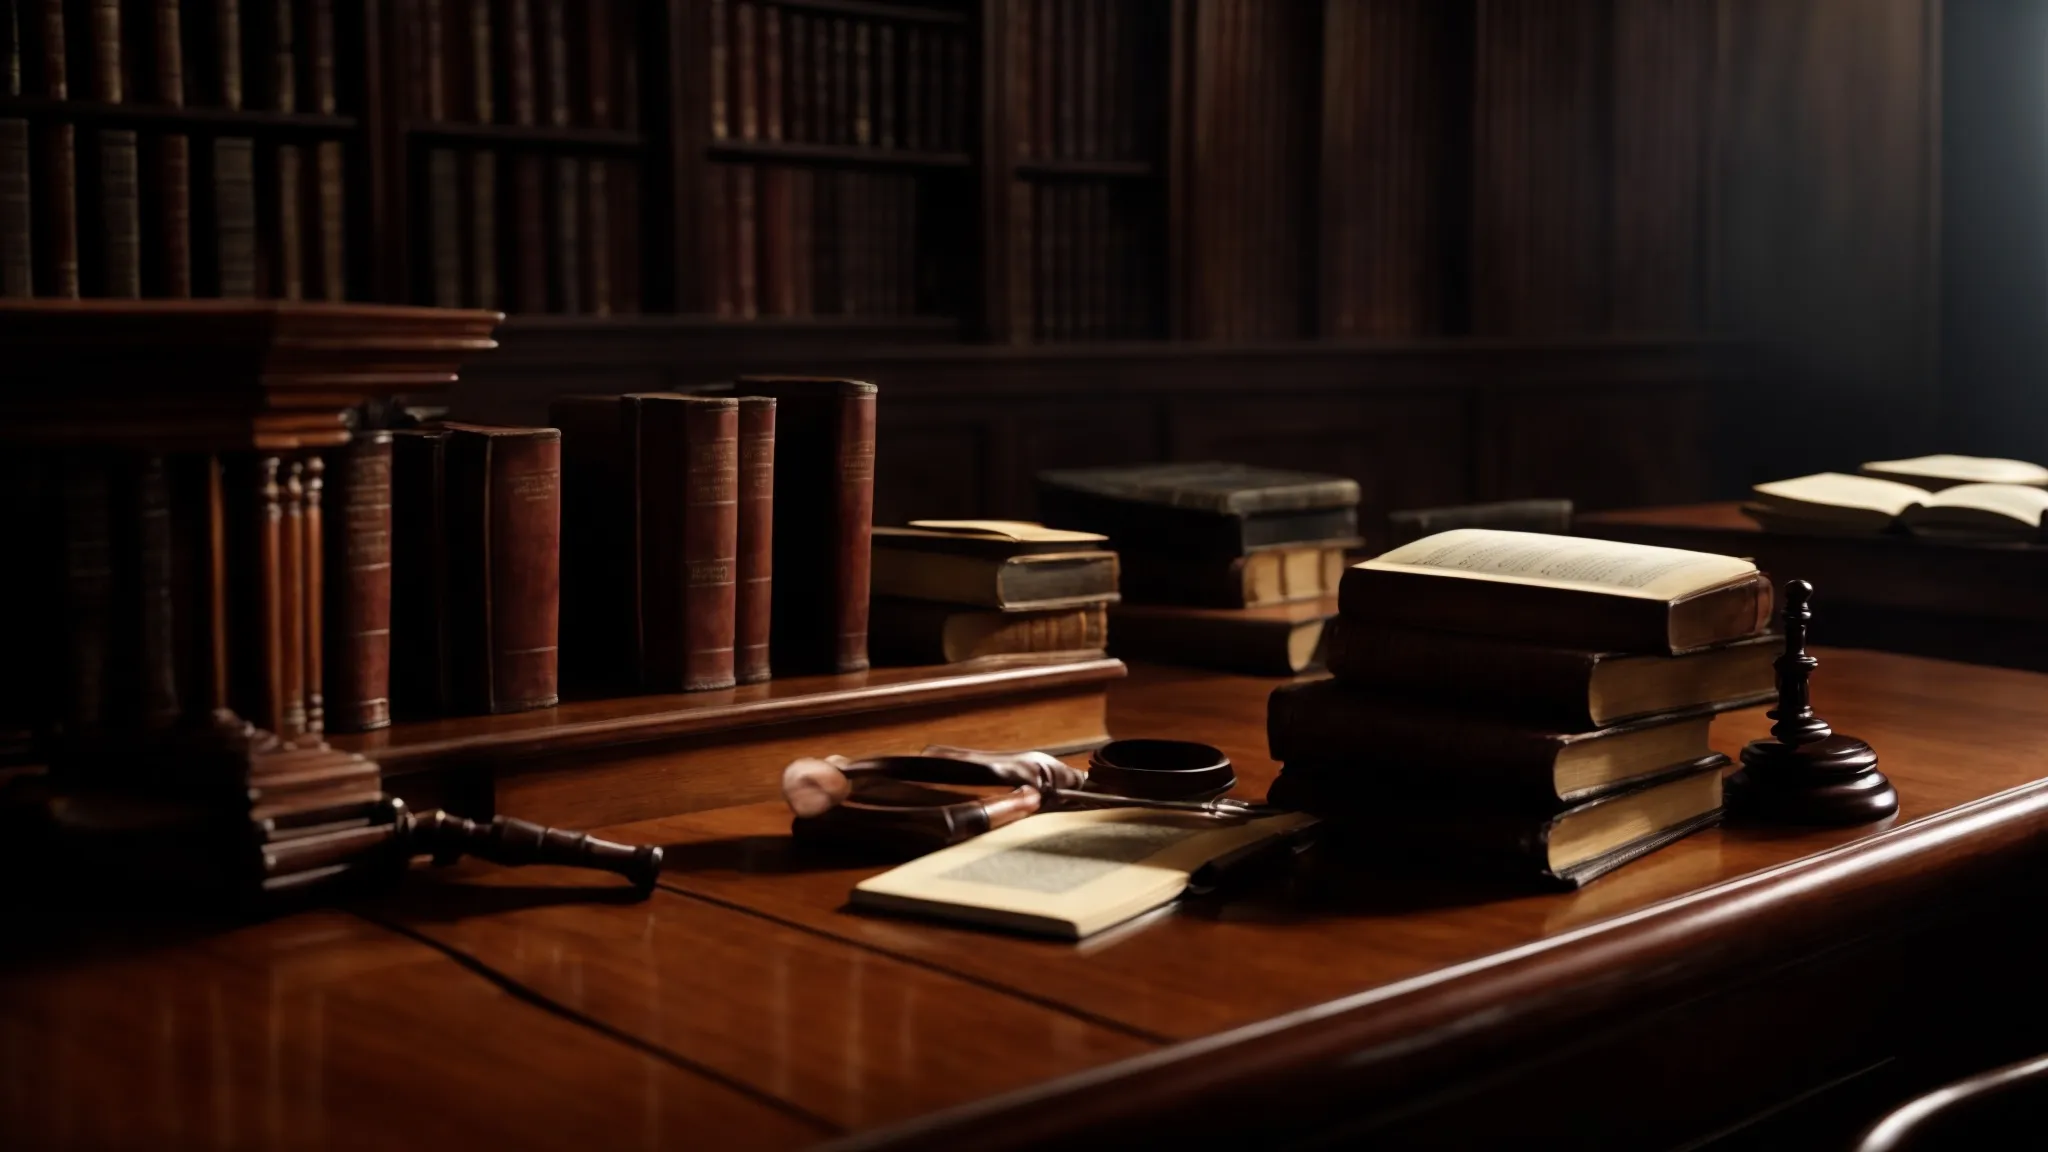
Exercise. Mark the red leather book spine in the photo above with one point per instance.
(689, 526)
(505, 524)
(824, 507)
(854, 473)
(358, 610)
(755, 578)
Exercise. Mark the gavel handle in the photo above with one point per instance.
(514, 842)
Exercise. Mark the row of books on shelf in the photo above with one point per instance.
(532, 233)
(1085, 261)
(115, 212)
(562, 63)
(788, 75)
(1079, 77)
(789, 241)
(277, 56)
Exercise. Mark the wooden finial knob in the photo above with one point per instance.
(1806, 773)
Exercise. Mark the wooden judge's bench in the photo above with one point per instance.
(1739, 989)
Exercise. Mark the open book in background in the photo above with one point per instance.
(1947, 470)
(1836, 503)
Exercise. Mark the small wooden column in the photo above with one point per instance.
(183, 440)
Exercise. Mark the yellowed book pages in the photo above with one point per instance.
(1639, 571)
(1067, 874)
(1841, 496)
(1022, 531)
(1954, 469)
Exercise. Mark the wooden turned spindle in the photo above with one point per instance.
(514, 842)
(1806, 774)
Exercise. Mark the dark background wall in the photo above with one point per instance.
(1619, 250)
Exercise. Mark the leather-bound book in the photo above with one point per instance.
(1567, 688)
(840, 119)
(1560, 849)
(1200, 511)
(863, 108)
(771, 72)
(1564, 590)
(56, 224)
(555, 50)
(17, 260)
(885, 86)
(1281, 640)
(689, 534)
(167, 251)
(911, 632)
(285, 223)
(328, 276)
(434, 75)
(231, 219)
(600, 34)
(820, 65)
(746, 95)
(420, 684)
(754, 581)
(914, 40)
(117, 195)
(824, 520)
(1275, 576)
(516, 34)
(504, 509)
(1021, 570)
(719, 20)
(796, 102)
(1442, 750)
(358, 550)
(477, 65)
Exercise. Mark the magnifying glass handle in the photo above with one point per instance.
(1221, 807)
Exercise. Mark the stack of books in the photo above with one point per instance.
(1953, 497)
(952, 590)
(1225, 566)
(1523, 705)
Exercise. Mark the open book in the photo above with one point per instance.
(1935, 473)
(1838, 503)
(1596, 595)
(1070, 874)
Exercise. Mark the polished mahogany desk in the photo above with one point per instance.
(1740, 985)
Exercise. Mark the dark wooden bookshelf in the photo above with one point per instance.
(910, 14)
(849, 154)
(96, 114)
(563, 138)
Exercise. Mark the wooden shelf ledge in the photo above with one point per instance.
(597, 724)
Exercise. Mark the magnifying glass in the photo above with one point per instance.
(889, 803)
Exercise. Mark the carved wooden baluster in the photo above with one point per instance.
(292, 582)
(312, 596)
(270, 585)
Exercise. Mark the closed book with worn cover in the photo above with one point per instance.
(1562, 849)
(1406, 747)
(922, 632)
(1565, 590)
(1026, 583)
(824, 519)
(753, 597)
(689, 534)
(358, 585)
(1569, 689)
(1283, 640)
(504, 509)
(420, 682)
(1262, 579)
(1200, 510)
